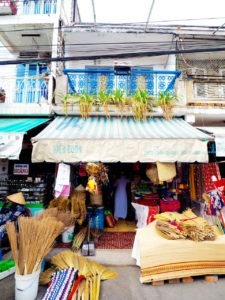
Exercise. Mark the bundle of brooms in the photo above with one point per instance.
(66, 217)
(90, 274)
(186, 225)
(31, 240)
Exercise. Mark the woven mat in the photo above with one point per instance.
(115, 240)
(123, 226)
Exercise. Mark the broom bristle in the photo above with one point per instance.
(35, 239)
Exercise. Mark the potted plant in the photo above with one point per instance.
(119, 98)
(2, 95)
(142, 102)
(104, 100)
(67, 99)
(85, 102)
(166, 101)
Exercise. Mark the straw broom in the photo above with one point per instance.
(35, 239)
(12, 234)
(66, 217)
(91, 270)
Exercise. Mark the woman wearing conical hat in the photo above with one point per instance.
(13, 208)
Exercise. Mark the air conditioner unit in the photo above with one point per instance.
(28, 54)
(34, 54)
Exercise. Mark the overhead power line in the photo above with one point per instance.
(105, 56)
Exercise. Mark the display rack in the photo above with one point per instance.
(34, 189)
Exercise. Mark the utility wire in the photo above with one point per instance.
(104, 56)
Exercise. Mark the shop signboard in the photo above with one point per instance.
(21, 169)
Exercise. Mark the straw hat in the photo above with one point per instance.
(17, 198)
(80, 188)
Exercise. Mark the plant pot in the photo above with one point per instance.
(2, 98)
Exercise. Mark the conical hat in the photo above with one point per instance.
(17, 198)
(80, 188)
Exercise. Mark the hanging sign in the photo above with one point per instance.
(21, 169)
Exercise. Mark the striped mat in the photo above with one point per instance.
(116, 240)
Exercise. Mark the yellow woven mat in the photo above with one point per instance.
(122, 226)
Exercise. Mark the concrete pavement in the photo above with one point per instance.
(128, 286)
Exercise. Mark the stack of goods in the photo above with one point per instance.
(7, 267)
(64, 216)
(61, 202)
(78, 204)
(146, 205)
(178, 245)
(88, 281)
(185, 225)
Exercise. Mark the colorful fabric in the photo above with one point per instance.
(61, 284)
(121, 198)
(10, 213)
(209, 170)
(199, 184)
(216, 202)
(192, 182)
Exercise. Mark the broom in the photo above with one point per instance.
(12, 234)
(35, 239)
(91, 270)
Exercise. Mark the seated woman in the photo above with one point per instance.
(13, 208)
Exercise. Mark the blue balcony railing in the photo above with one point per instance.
(35, 7)
(94, 80)
(31, 90)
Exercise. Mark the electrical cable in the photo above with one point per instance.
(104, 56)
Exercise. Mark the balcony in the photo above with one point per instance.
(128, 80)
(37, 7)
(8, 7)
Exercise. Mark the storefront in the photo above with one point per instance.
(16, 171)
(122, 144)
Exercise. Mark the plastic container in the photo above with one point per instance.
(26, 286)
(67, 235)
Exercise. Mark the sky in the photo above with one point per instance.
(190, 12)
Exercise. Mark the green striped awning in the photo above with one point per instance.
(21, 125)
(73, 139)
(12, 131)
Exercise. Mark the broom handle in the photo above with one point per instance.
(75, 287)
(88, 237)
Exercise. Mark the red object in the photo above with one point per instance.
(152, 211)
(169, 205)
(110, 220)
(75, 287)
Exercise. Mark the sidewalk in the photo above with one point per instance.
(128, 286)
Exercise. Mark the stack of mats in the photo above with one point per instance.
(163, 259)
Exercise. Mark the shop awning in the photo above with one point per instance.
(219, 135)
(12, 131)
(73, 139)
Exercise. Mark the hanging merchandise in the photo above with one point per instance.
(78, 204)
(92, 168)
(82, 170)
(166, 171)
(62, 185)
(98, 171)
(208, 171)
(92, 187)
(152, 173)
(102, 174)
